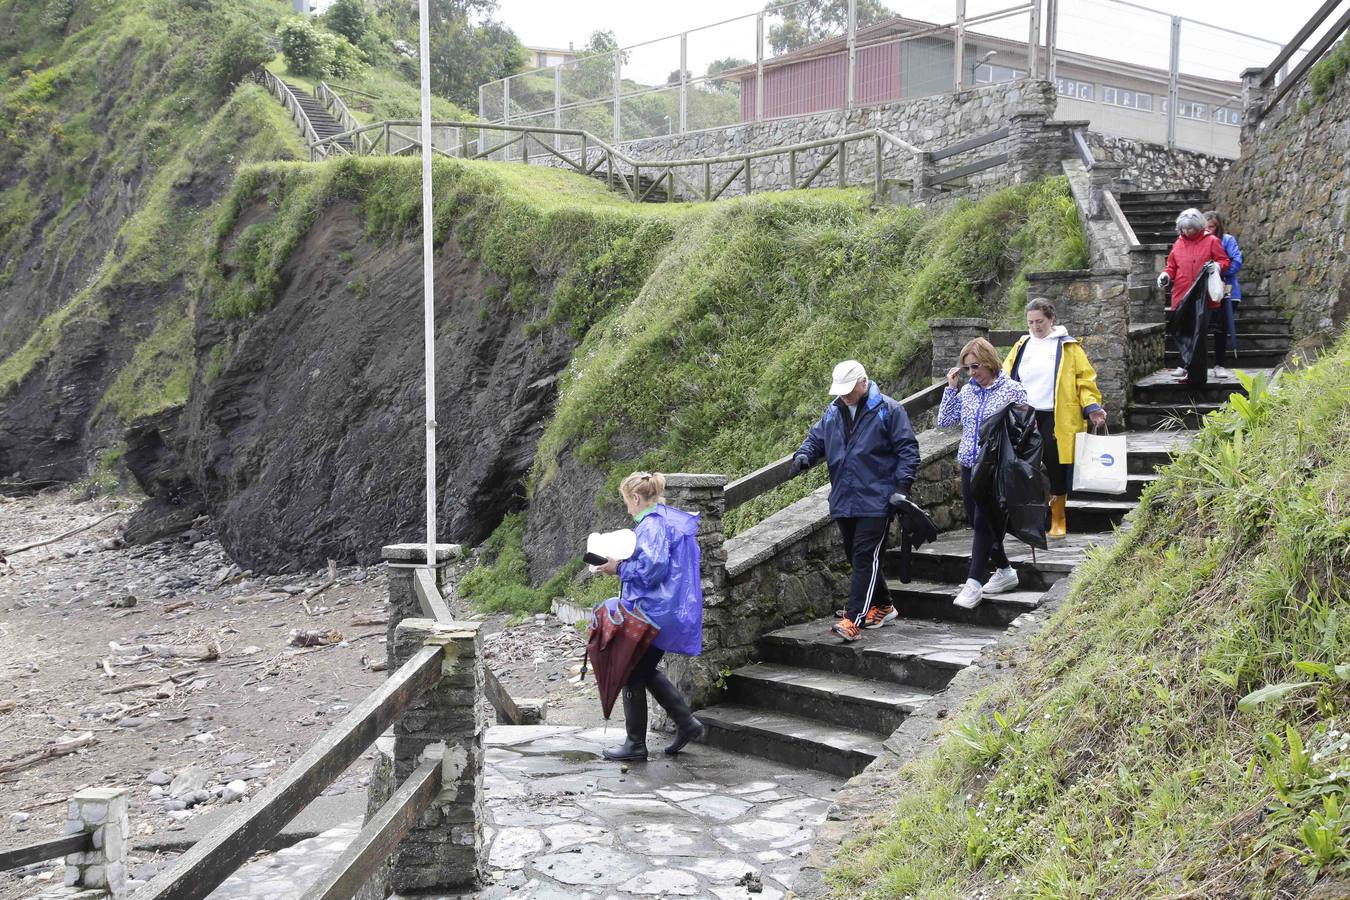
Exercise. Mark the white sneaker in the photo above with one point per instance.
(970, 596)
(1179, 372)
(1220, 372)
(1003, 580)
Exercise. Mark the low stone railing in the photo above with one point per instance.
(790, 567)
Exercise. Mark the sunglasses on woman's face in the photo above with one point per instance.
(972, 367)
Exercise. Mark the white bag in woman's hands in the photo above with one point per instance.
(1099, 463)
(1215, 286)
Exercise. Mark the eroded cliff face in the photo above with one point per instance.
(305, 429)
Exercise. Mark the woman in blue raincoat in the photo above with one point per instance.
(1224, 321)
(662, 579)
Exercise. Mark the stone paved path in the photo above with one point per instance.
(561, 823)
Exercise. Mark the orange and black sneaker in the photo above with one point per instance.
(847, 629)
(879, 615)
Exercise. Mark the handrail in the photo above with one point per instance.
(1323, 44)
(766, 478)
(1289, 49)
(969, 144)
(601, 145)
(214, 858)
(282, 92)
(41, 851)
(1084, 151)
(1118, 216)
(352, 90)
(336, 107)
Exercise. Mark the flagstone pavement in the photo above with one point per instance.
(562, 823)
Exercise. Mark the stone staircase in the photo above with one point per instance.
(621, 182)
(815, 701)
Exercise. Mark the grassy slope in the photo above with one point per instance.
(1117, 760)
(746, 303)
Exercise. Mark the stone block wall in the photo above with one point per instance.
(444, 723)
(1154, 167)
(787, 569)
(104, 813)
(1147, 347)
(1287, 199)
(949, 336)
(1093, 306)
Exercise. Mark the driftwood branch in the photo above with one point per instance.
(60, 537)
(60, 748)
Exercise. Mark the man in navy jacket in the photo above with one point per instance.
(870, 449)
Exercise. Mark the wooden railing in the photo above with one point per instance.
(278, 89)
(200, 870)
(45, 850)
(336, 106)
(1300, 71)
(640, 179)
(766, 478)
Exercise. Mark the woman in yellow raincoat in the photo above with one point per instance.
(1062, 385)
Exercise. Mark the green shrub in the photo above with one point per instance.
(313, 53)
(242, 49)
(56, 14)
(1324, 74)
(347, 18)
(301, 47)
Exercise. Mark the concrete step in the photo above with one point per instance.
(915, 653)
(1195, 197)
(1134, 486)
(1163, 387)
(948, 559)
(1149, 451)
(933, 600)
(789, 739)
(1144, 416)
(1244, 360)
(856, 703)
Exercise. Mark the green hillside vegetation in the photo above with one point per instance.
(1180, 727)
(141, 90)
(747, 303)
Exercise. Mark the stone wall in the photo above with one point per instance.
(787, 569)
(1287, 199)
(1153, 167)
(1146, 350)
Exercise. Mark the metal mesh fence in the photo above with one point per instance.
(1159, 78)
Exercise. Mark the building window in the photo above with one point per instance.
(1122, 97)
(1225, 116)
(1067, 87)
(990, 74)
(1189, 109)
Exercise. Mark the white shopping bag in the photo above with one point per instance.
(1099, 463)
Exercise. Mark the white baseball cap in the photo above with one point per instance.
(846, 376)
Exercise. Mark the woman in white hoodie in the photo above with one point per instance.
(1062, 385)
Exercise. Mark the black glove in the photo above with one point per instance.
(898, 499)
(798, 466)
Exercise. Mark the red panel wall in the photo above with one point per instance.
(815, 85)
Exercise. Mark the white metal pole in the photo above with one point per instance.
(959, 47)
(1173, 79)
(684, 82)
(428, 290)
(618, 96)
(759, 71)
(851, 76)
(1051, 36)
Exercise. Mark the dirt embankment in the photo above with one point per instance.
(307, 438)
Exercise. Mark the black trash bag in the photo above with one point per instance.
(1188, 325)
(1007, 481)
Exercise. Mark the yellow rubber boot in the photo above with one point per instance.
(1058, 527)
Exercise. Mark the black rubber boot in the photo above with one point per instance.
(687, 728)
(635, 723)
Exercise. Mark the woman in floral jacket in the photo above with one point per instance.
(987, 392)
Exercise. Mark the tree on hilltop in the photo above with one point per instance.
(811, 21)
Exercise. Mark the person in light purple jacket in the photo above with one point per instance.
(987, 392)
(1224, 320)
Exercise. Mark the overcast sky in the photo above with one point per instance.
(1102, 27)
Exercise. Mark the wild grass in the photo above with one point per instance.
(1179, 728)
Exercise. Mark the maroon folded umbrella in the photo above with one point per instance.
(619, 636)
